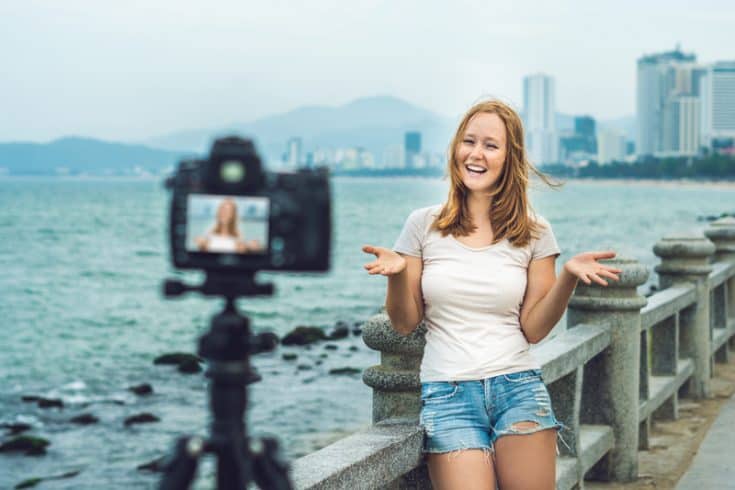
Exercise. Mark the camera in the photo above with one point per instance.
(229, 215)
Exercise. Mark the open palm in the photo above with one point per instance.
(586, 267)
(387, 262)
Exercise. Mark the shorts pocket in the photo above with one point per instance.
(438, 391)
(523, 376)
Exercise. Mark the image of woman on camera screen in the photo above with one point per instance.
(479, 271)
(225, 235)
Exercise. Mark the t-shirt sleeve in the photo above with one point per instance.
(410, 241)
(545, 245)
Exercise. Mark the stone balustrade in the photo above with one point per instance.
(623, 361)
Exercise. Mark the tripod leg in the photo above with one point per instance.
(180, 468)
(270, 469)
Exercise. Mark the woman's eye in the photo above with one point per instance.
(469, 142)
(490, 146)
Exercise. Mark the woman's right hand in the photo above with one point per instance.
(387, 262)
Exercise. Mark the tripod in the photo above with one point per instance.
(226, 347)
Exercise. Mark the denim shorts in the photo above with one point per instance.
(474, 414)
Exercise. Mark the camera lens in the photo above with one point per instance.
(232, 171)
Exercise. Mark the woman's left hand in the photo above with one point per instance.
(586, 267)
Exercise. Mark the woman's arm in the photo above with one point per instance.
(547, 296)
(404, 300)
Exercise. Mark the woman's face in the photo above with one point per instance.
(481, 152)
(226, 212)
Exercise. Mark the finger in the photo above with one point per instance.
(604, 254)
(609, 274)
(371, 264)
(370, 249)
(598, 279)
(584, 279)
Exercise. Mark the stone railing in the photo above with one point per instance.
(622, 361)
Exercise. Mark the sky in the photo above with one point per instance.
(133, 70)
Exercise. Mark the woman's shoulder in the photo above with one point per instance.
(425, 213)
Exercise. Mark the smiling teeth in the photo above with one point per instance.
(475, 168)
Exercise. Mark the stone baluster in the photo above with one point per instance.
(395, 383)
(685, 258)
(610, 393)
(722, 234)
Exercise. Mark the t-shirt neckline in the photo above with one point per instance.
(476, 249)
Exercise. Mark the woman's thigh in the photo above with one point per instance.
(468, 469)
(526, 461)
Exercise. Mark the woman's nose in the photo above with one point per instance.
(476, 152)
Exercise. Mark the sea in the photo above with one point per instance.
(82, 316)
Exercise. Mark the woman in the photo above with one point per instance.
(225, 235)
(480, 271)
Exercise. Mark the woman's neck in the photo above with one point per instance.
(478, 206)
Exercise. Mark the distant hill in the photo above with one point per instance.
(373, 123)
(76, 156)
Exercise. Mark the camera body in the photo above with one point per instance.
(229, 215)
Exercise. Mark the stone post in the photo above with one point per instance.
(395, 383)
(722, 234)
(685, 258)
(610, 392)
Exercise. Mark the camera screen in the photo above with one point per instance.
(227, 224)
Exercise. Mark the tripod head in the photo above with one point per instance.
(226, 347)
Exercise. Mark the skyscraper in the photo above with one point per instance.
(412, 147)
(539, 103)
(611, 146)
(294, 153)
(662, 78)
(718, 102)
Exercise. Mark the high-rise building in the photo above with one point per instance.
(661, 76)
(611, 146)
(718, 102)
(539, 104)
(412, 147)
(293, 154)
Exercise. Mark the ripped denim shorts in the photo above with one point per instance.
(474, 414)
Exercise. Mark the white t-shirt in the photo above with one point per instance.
(221, 243)
(472, 300)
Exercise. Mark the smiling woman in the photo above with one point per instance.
(479, 270)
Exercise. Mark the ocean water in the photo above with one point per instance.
(82, 317)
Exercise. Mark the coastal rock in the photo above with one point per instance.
(30, 445)
(84, 419)
(303, 367)
(30, 398)
(32, 482)
(16, 428)
(354, 348)
(155, 466)
(304, 335)
(50, 403)
(189, 366)
(264, 342)
(345, 370)
(331, 346)
(340, 331)
(175, 358)
(141, 418)
(141, 389)
(289, 356)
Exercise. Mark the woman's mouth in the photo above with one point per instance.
(475, 169)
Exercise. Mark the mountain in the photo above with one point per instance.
(373, 123)
(83, 156)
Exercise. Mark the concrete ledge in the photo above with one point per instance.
(721, 272)
(661, 388)
(595, 442)
(666, 303)
(377, 455)
(571, 349)
(722, 335)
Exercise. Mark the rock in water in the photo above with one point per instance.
(289, 356)
(16, 428)
(50, 403)
(345, 370)
(264, 342)
(340, 331)
(141, 418)
(85, 419)
(176, 358)
(190, 366)
(141, 389)
(30, 445)
(303, 336)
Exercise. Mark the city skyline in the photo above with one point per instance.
(134, 71)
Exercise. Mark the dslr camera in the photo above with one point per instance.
(230, 216)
